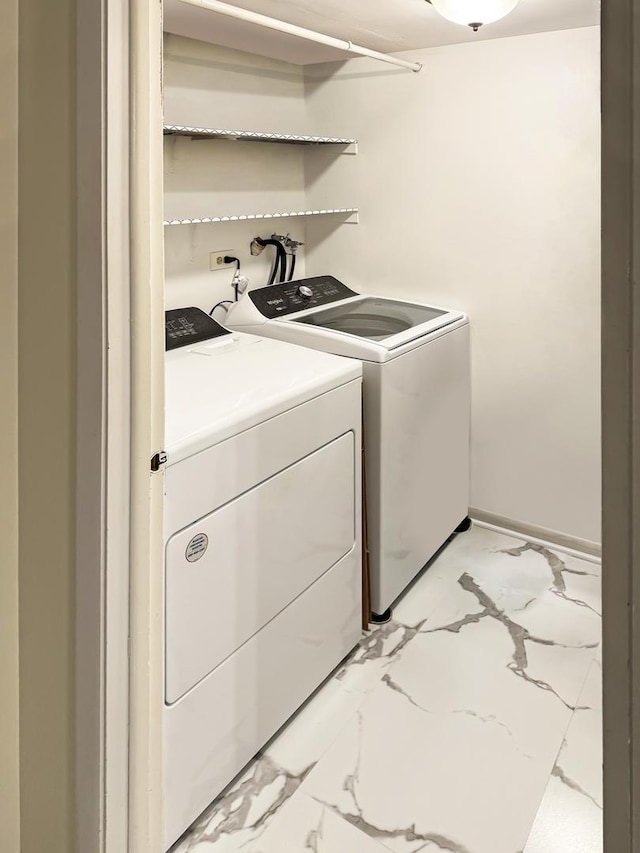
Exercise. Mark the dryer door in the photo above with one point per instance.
(231, 572)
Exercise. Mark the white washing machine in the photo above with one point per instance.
(263, 583)
(416, 374)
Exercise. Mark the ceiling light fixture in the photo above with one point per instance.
(473, 13)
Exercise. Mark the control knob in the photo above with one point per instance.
(305, 291)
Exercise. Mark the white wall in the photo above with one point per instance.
(210, 86)
(478, 186)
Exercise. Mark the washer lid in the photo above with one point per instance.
(388, 321)
(372, 317)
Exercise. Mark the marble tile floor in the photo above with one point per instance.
(470, 723)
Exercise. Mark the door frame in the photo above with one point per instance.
(119, 581)
(9, 563)
(120, 427)
(620, 37)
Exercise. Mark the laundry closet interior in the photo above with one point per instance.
(471, 186)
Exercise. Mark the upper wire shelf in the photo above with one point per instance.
(350, 212)
(255, 136)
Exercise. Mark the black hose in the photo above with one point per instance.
(280, 262)
(280, 266)
(275, 268)
(293, 265)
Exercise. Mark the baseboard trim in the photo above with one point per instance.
(543, 535)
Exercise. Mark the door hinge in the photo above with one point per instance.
(158, 461)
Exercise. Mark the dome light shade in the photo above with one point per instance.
(473, 13)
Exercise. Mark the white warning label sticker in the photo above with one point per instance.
(197, 547)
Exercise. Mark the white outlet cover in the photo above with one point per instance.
(216, 262)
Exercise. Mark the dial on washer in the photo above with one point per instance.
(305, 291)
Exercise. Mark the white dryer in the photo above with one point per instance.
(262, 521)
(416, 374)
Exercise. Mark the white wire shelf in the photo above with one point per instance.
(256, 136)
(350, 212)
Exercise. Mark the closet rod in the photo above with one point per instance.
(301, 32)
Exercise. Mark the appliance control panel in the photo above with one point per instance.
(187, 326)
(278, 300)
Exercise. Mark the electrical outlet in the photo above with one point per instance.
(216, 259)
